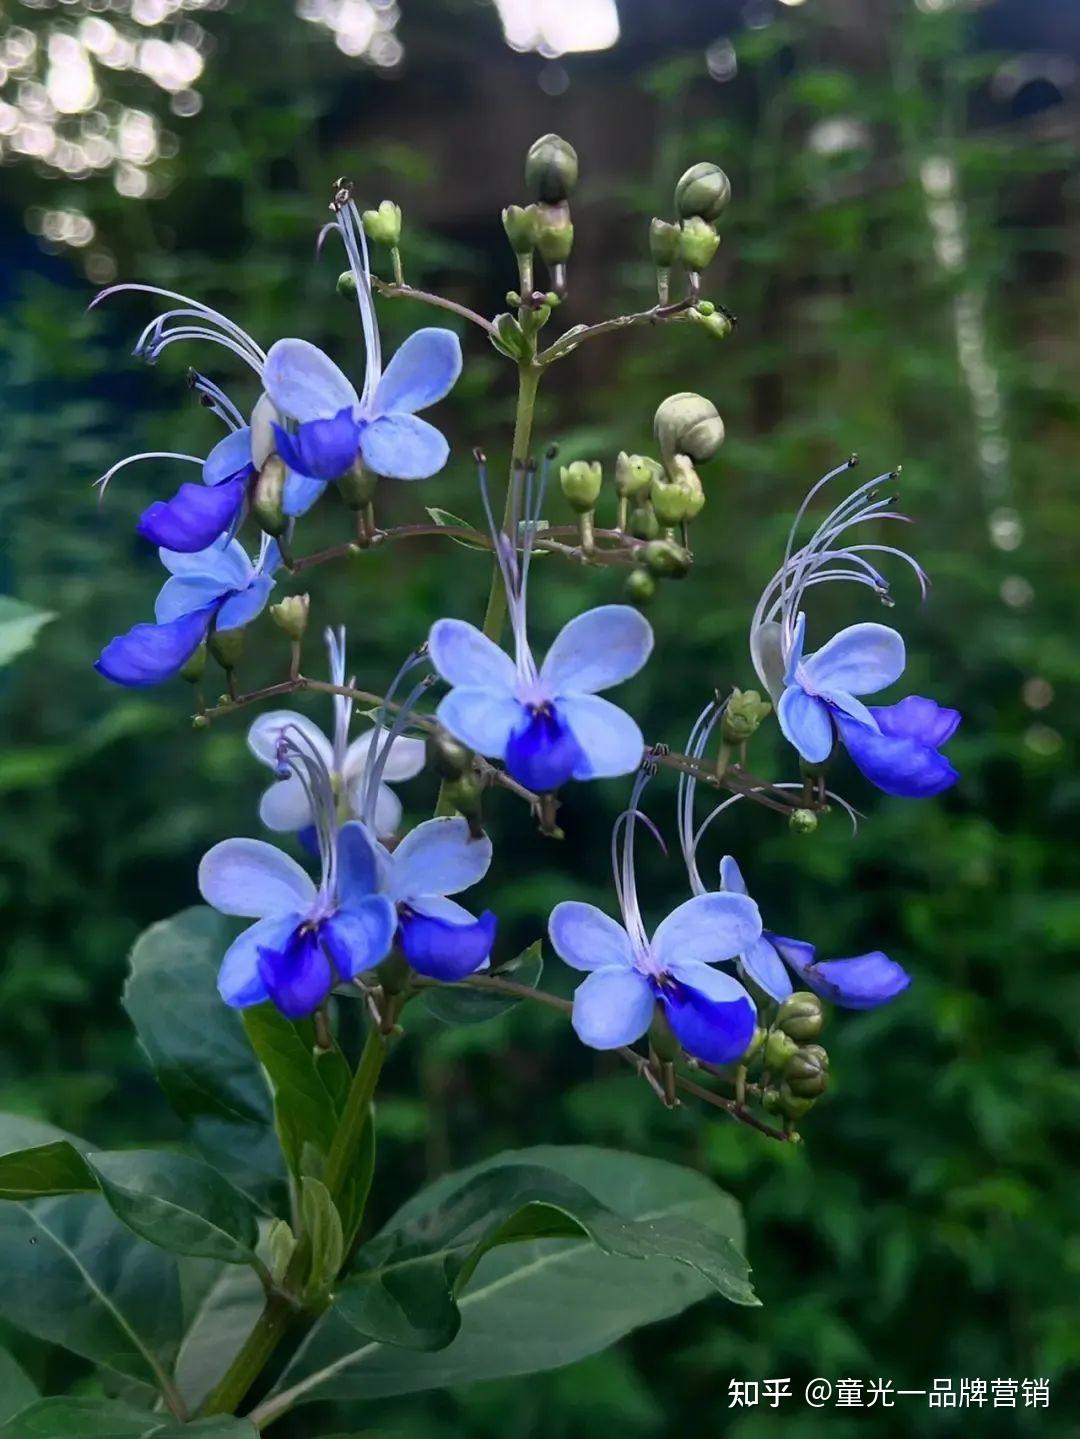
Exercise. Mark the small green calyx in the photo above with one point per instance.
(357, 486)
(634, 474)
(801, 1015)
(780, 1049)
(510, 339)
(643, 524)
(688, 424)
(522, 224)
(807, 1072)
(703, 192)
(383, 226)
(680, 498)
(663, 243)
(466, 793)
(713, 321)
(551, 168)
(581, 482)
(554, 234)
(802, 821)
(667, 559)
(226, 646)
(743, 715)
(192, 669)
(793, 1106)
(698, 244)
(640, 587)
(291, 615)
(448, 757)
(268, 497)
(662, 1039)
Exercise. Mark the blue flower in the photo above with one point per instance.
(197, 515)
(217, 588)
(901, 754)
(864, 982)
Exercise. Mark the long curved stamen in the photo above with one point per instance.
(243, 342)
(343, 705)
(348, 224)
(515, 571)
(379, 755)
(696, 746)
(623, 866)
(216, 400)
(297, 755)
(808, 500)
(161, 339)
(102, 481)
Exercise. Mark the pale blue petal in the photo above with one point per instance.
(464, 656)
(612, 1008)
(586, 938)
(609, 739)
(731, 878)
(717, 985)
(596, 650)
(183, 595)
(230, 459)
(239, 981)
(483, 719)
(285, 806)
(403, 447)
(439, 856)
(254, 879)
(806, 724)
(359, 935)
(304, 383)
(765, 967)
(708, 928)
(422, 371)
(850, 706)
(300, 493)
(859, 660)
(795, 653)
(266, 731)
(242, 608)
(225, 559)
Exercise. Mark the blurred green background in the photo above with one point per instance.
(903, 253)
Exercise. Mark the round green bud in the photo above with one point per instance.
(807, 1072)
(640, 587)
(226, 646)
(712, 322)
(743, 714)
(688, 424)
(663, 243)
(703, 190)
(580, 483)
(802, 821)
(551, 168)
(192, 669)
(667, 559)
(770, 1101)
(671, 501)
(357, 485)
(447, 756)
(291, 615)
(199, 722)
(383, 226)
(634, 474)
(703, 309)
(346, 284)
(552, 300)
(521, 223)
(698, 243)
(683, 474)
(794, 1106)
(643, 524)
(268, 497)
(555, 233)
(801, 1015)
(779, 1049)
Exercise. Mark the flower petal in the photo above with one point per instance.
(225, 561)
(596, 650)
(268, 728)
(194, 517)
(359, 863)
(464, 656)
(764, 966)
(805, 723)
(239, 981)
(707, 929)
(899, 766)
(300, 493)
(612, 1007)
(320, 449)
(848, 705)
(298, 977)
(865, 982)
(403, 447)
(860, 660)
(767, 656)
(359, 935)
(285, 806)
(584, 937)
(184, 594)
(610, 741)
(481, 718)
(795, 650)
(252, 878)
(230, 459)
(304, 383)
(388, 812)
(439, 856)
(423, 370)
(148, 654)
(240, 609)
(445, 949)
(731, 878)
(710, 1013)
(406, 758)
(918, 718)
(542, 753)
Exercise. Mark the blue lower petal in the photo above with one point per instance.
(299, 977)
(359, 936)
(542, 753)
(445, 951)
(898, 764)
(865, 982)
(718, 1033)
(916, 717)
(320, 449)
(148, 654)
(194, 517)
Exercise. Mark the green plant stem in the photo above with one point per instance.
(356, 1113)
(528, 384)
(254, 1354)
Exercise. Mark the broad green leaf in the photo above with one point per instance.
(198, 1048)
(80, 1419)
(217, 1329)
(17, 1389)
(172, 1200)
(536, 1304)
(305, 1089)
(458, 1004)
(322, 1226)
(221, 1426)
(19, 626)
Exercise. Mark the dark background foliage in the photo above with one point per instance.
(902, 255)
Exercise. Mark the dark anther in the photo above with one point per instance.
(853, 461)
(343, 192)
(552, 452)
(479, 456)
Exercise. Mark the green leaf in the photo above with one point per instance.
(67, 1418)
(458, 1004)
(222, 1321)
(544, 1302)
(19, 626)
(17, 1389)
(197, 1046)
(305, 1088)
(444, 517)
(322, 1227)
(172, 1200)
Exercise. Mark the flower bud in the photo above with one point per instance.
(291, 615)
(580, 482)
(634, 474)
(383, 225)
(743, 714)
(357, 485)
(688, 424)
(698, 244)
(465, 794)
(226, 646)
(667, 559)
(346, 284)
(757, 1039)
(551, 168)
(268, 495)
(281, 1246)
(704, 191)
(554, 234)
(713, 321)
(801, 1015)
(192, 669)
(780, 1048)
(802, 821)
(643, 524)
(807, 1072)
(663, 243)
(448, 757)
(521, 223)
(640, 587)
(672, 501)
(791, 1105)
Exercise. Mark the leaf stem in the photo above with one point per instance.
(408, 292)
(356, 1114)
(248, 1364)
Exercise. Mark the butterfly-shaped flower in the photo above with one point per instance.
(219, 588)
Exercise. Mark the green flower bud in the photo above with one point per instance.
(267, 497)
(801, 1015)
(663, 243)
(704, 191)
(698, 244)
(465, 793)
(510, 339)
(640, 587)
(192, 669)
(643, 524)
(713, 322)
(346, 284)
(448, 757)
(770, 1101)
(383, 226)
(521, 223)
(226, 646)
(357, 485)
(551, 168)
(807, 1072)
(662, 1038)
(291, 615)
(688, 424)
(802, 821)
(670, 501)
(667, 559)
(779, 1049)
(555, 233)
(580, 482)
(743, 714)
(756, 1041)
(634, 474)
(281, 1245)
(793, 1106)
